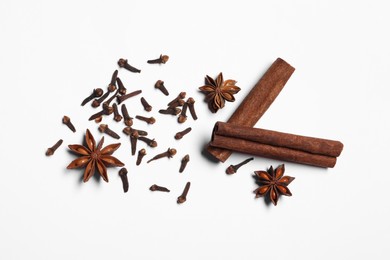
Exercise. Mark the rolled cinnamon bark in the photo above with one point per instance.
(302, 143)
(273, 152)
(257, 101)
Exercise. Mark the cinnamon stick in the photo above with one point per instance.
(257, 101)
(303, 143)
(273, 152)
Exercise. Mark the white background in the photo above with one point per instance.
(53, 54)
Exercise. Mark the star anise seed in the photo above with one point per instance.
(218, 91)
(93, 157)
(273, 183)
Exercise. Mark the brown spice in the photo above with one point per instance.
(257, 101)
(184, 162)
(50, 151)
(273, 183)
(217, 91)
(146, 105)
(66, 121)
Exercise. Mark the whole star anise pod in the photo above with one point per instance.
(94, 157)
(273, 183)
(217, 91)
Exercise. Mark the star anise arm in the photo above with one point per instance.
(109, 161)
(279, 171)
(285, 180)
(89, 170)
(90, 140)
(227, 96)
(102, 170)
(207, 89)
(262, 191)
(110, 149)
(274, 195)
(79, 149)
(263, 176)
(219, 80)
(219, 101)
(79, 162)
(283, 190)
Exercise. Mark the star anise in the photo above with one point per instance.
(217, 91)
(94, 157)
(273, 183)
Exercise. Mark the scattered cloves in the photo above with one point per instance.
(98, 92)
(127, 119)
(149, 120)
(105, 111)
(177, 103)
(160, 85)
(125, 181)
(121, 88)
(51, 150)
(183, 115)
(179, 135)
(191, 102)
(112, 86)
(133, 141)
(128, 130)
(117, 116)
(98, 119)
(169, 153)
(141, 154)
(170, 111)
(181, 95)
(155, 187)
(183, 197)
(233, 168)
(104, 129)
(124, 97)
(107, 103)
(149, 142)
(161, 60)
(97, 102)
(184, 162)
(66, 121)
(124, 64)
(146, 105)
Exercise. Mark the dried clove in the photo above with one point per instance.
(170, 111)
(117, 116)
(155, 187)
(128, 130)
(146, 105)
(169, 153)
(190, 102)
(177, 103)
(149, 120)
(51, 150)
(161, 60)
(125, 181)
(127, 119)
(133, 141)
(179, 135)
(98, 92)
(149, 142)
(124, 64)
(160, 85)
(181, 95)
(97, 102)
(98, 119)
(184, 162)
(112, 86)
(107, 103)
(121, 88)
(124, 97)
(66, 121)
(104, 129)
(141, 154)
(183, 197)
(105, 111)
(233, 168)
(183, 117)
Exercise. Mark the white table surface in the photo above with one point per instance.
(53, 54)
